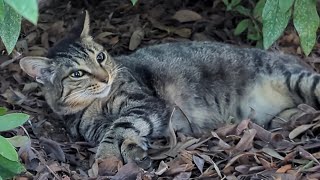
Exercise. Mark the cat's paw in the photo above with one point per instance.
(137, 152)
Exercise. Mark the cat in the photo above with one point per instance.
(120, 103)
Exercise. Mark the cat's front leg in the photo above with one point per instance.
(127, 139)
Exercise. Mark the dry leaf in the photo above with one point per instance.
(128, 171)
(245, 142)
(186, 16)
(52, 147)
(199, 162)
(284, 168)
(136, 39)
(300, 129)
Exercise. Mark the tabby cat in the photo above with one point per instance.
(120, 103)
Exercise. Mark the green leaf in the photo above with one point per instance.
(3, 111)
(234, 2)
(306, 22)
(7, 150)
(242, 10)
(134, 2)
(8, 168)
(10, 28)
(242, 26)
(1, 10)
(274, 22)
(254, 36)
(257, 11)
(285, 5)
(26, 8)
(226, 2)
(13, 120)
(18, 141)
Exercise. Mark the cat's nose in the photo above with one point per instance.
(102, 75)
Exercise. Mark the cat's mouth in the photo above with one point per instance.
(103, 91)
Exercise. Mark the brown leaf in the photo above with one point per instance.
(199, 162)
(128, 171)
(245, 142)
(183, 32)
(163, 167)
(262, 134)
(186, 16)
(243, 169)
(52, 147)
(306, 154)
(182, 175)
(300, 129)
(136, 39)
(221, 142)
(284, 168)
(244, 124)
(226, 130)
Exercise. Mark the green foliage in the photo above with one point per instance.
(273, 16)
(134, 2)
(274, 22)
(11, 12)
(251, 25)
(9, 162)
(306, 22)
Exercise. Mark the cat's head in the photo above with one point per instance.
(75, 73)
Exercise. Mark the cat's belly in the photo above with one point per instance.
(266, 99)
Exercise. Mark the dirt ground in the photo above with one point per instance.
(240, 151)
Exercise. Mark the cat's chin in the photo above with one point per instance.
(103, 93)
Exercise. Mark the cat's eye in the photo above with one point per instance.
(101, 57)
(77, 74)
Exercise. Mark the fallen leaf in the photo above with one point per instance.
(182, 176)
(199, 162)
(300, 129)
(272, 153)
(136, 39)
(52, 147)
(162, 168)
(284, 169)
(128, 171)
(245, 142)
(186, 16)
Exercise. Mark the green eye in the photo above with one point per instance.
(77, 74)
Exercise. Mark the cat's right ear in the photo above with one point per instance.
(36, 67)
(82, 26)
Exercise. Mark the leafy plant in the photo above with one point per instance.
(9, 162)
(134, 2)
(276, 15)
(252, 23)
(11, 12)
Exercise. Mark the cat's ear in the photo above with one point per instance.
(81, 28)
(37, 67)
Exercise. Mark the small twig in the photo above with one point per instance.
(17, 56)
(52, 172)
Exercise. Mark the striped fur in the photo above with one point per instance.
(122, 102)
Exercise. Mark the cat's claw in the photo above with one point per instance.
(130, 150)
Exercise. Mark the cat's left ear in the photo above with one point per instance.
(37, 67)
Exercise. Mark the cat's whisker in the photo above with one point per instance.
(74, 93)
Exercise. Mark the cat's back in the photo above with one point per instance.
(191, 57)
